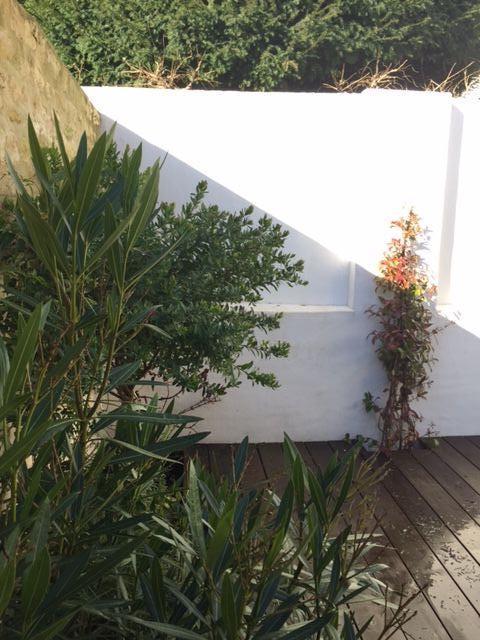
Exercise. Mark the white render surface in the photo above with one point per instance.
(335, 169)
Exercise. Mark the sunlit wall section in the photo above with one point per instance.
(335, 169)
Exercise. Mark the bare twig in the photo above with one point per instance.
(178, 74)
(372, 76)
(376, 75)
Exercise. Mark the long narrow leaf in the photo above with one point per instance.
(89, 178)
(167, 629)
(23, 355)
(159, 450)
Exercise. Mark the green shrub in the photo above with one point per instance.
(99, 545)
(71, 518)
(95, 540)
(90, 548)
(205, 294)
(263, 566)
(260, 44)
(202, 330)
(72, 499)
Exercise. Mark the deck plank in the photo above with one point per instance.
(464, 570)
(426, 625)
(201, 453)
(271, 455)
(454, 484)
(395, 574)
(446, 599)
(463, 446)
(475, 440)
(255, 476)
(441, 504)
(463, 467)
(321, 453)
(221, 459)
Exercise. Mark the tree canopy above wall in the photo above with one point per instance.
(256, 44)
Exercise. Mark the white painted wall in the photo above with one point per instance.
(335, 169)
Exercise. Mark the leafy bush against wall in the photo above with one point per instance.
(259, 44)
(204, 295)
(198, 300)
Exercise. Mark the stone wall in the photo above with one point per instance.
(33, 81)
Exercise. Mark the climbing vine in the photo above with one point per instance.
(405, 338)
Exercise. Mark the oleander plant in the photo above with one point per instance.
(98, 538)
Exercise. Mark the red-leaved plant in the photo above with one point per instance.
(404, 340)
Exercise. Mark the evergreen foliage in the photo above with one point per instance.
(258, 44)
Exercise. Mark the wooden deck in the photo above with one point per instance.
(429, 514)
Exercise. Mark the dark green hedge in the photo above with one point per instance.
(259, 44)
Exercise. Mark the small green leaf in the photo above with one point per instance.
(134, 417)
(35, 583)
(195, 511)
(346, 485)
(266, 595)
(109, 241)
(7, 583)
(54, 629)
(228, 606)
(159, 450)
(154, 262)
(167, 629)
(23, 355)
(38, 157)
(299, 632)
(240, 459)
(61, 145)
(89, 178)
(187, 603)
(43, 238)
(220, 543)
(4, 367)
(159, 588)
(119, 375)
(16, 454)
(298, 472)
(147, 201)
(39, 536)
(115, 254)
(155, 329)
